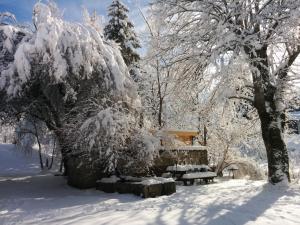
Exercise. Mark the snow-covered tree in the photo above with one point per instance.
(7, 18)
(166, 100)
(233, 129)
(264, 33)
(93, 19)
(121, 30)
(29, 132)
(67, 76)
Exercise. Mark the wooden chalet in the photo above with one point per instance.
(181, 147)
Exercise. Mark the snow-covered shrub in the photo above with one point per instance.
(247, 168)
(110, 132)
(139, 155)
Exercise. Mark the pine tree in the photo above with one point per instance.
(121, 30)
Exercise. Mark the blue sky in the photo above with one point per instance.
(72, 8)
(72, 11)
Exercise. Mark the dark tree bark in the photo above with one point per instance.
(64, 151)
(277, 154)
(40, 147)
(160, 97)
(268, 100)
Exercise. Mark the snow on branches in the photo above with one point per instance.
(66, 75)
(264, 34)
(67, 49)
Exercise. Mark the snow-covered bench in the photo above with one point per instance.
(189, 173)
(191, 177)
(184, 168)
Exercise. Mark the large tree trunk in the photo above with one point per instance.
(277, 154)
(64, 150)
(268, 101)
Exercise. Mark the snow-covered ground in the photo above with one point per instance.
(15, 162)
(33, 198)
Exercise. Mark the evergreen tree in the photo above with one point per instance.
(121, 30)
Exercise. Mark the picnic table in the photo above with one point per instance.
(189, 173)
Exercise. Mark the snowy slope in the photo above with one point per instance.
(46, 199)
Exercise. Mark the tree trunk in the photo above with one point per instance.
(63, 149)
(160, 97)
(268, 101)
(40, 153)
(277, 154)
(205, 136)
(39, 145)
(52, 156)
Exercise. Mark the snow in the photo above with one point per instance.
(232, 167)
(48, 200)
(294, 115)
(199, 175)
(14, 162)
(112, 179)
(144, 180)
(187, 167)
(157, 180)
(9, 31)
(56, 38)
(7, 15)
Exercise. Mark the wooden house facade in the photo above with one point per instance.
(188, 150)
